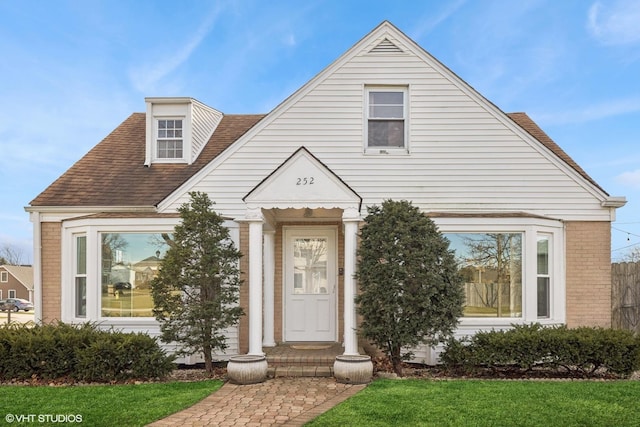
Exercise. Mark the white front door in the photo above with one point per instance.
(310, 284)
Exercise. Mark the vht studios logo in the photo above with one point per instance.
(43, 418)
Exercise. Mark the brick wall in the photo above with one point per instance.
(51, 236)
(588, 263)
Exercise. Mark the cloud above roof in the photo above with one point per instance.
(615, 23)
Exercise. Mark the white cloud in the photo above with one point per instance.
(630, 178)
(431, 21)
(145, 77)
(589, 113)
(615, 23)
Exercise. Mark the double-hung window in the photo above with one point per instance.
(80, 275)
(169, 139)
(386, 118)
(4, 276)
(544, 277)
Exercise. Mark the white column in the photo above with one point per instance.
(269, 295)
(350, 218)
(255, 220)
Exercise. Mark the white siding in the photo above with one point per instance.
(464, 155)
(204, 121)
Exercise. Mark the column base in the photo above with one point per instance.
(247, 369)
(353, 369)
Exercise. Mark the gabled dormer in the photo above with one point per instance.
(178, 129)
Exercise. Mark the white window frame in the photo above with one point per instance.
(4, 276)
(550, 273)
(77, 275)
(11, 293)
(93, 228)
(530, 229)
(157, 139)
(404, 89)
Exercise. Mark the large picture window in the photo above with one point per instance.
(129, 262)
(491, 265)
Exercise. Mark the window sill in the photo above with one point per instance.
(381, 151)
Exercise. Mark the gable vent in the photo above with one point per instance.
(385, 46)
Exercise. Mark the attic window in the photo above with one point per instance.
(169, 141)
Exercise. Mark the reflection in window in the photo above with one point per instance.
(491, 265)
(130, 261)
(310, 266)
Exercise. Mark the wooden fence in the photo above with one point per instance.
(625, 296)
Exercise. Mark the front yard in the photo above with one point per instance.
(489, 403)
(99, 405)
(414, 402)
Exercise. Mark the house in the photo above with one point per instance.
(386, 120)
(16, 281)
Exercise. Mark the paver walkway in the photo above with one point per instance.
(277, 401)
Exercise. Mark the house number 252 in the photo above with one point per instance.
(305, 181)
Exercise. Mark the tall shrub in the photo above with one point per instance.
(410, 289)
(196, 292)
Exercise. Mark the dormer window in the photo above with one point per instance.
(170, 142)
(386, 117)
(177, 129)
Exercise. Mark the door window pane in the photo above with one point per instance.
(310, 266)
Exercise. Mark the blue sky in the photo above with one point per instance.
(73, 70)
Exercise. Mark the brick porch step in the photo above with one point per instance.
(302, 360)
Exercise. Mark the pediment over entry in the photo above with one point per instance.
(302, 181)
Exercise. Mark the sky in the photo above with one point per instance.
(72, 71)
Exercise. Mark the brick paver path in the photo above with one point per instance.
(277, 401)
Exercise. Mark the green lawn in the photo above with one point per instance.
(489, 403)
(102, 405)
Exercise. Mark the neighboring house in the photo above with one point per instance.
(16, 281)
(386, 120)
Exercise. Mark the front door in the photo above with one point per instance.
(310, 284)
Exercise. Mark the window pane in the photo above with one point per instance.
(543, 297)
(386, 111)
(81, 296)
(310, 266)
(543, 255)
(178, 124)
(162, 124)
(386, 98)
(491, 265)
(129, 262)
(81, 255)
(386, 133)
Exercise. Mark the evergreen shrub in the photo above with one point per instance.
(584, 351)
(80, 352)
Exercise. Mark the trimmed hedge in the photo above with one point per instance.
(79, 352)
(583, 351)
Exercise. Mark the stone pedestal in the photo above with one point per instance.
(247, 369)
(353, 369)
